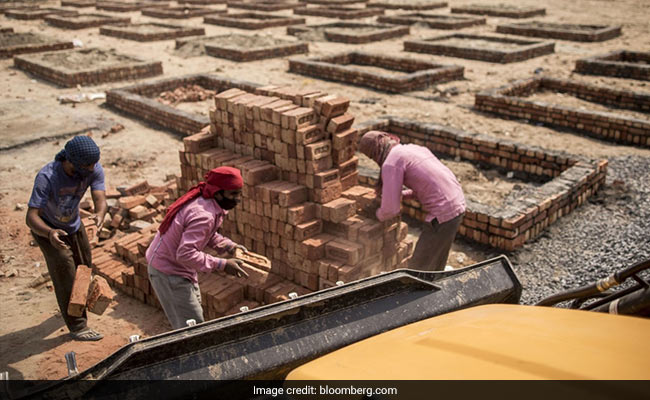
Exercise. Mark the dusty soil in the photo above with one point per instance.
(248, 42)
(354, 30)
(15, 39)
(570, 27)
(393, 73)
(32, 338)
(86, 59)
(479, 44)
(567, 100)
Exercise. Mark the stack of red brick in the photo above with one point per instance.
(296, 151)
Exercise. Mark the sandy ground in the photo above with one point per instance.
(33, 339)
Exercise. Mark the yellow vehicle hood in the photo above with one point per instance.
(496, 342)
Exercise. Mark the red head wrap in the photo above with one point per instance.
(222, 178)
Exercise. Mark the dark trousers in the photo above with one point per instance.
(62, 265)
(434, 244)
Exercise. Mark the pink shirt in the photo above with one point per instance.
(432, 183)
(179, 251)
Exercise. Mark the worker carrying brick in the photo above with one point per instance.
(428, 180)
(53, 217)
(176, 253)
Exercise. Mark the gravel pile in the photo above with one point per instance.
(611, 231)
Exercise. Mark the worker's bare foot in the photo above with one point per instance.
(86, 335)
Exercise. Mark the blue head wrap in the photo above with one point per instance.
(80, 151)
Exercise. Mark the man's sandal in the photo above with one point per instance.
(86, 335)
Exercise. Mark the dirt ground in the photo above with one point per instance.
(33, 340)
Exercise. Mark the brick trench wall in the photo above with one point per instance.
(528, 50)
(33, 14)
(102, 75)
(608, 32)
(505, 102)
(422, 73)
(391, 6)
(383, 32)
(499, 13)
(339, 12)
(179, 31)
(568, 182)
(139, 100)
(244, 55)
(623, 64)
(264, 7)
(6, 52)
(63, 22)
(300, 203)
(179, 14)
(264, 21)
(432, 22)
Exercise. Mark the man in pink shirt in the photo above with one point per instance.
(430, 181)
(176, 253)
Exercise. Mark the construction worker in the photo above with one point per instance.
(53, 217)
(176, 253)
(427, 179)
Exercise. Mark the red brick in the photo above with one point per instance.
(333, 107)
(256, 260)
(308, 229)
(327, 194)
(338, 210)
(340, 123)
(314, 247)
(260, 174)
(220, 100)
(309, 134)
(298, 214)
(349, 181)
(199, 142)
(138, 188)
(343, 250)
(131, 201)
(348, 167)
(79, 294)
(292, 195)
(100, 295)
(345, 139)
(322, 179)
(318, 150)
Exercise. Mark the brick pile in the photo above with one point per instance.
(567, 181)
(509, 101)
(579, 33)
(620, 63)
(296, 151)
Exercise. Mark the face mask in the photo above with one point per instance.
(226, 203)
(82, 172)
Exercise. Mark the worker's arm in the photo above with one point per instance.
(40, 228)
(193, 240)
(99, 202)
(222, 244)
(391, 192)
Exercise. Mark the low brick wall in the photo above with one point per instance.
(333, 2)
(74, 21)
(127, 7)
(139, 101)
(568, 180)
(432, 20)
(205, 2)
(63, 77)
(256, 53)
(620, 63)
(561, 31)
(339, 12)
(528, 50)
(509, 102)
(243, 20)
(420, 73)
(330, 33)
(181, 12)
(414, 5)
(264, 5)
(6, 30)
(130, 32)
(509, 12)
(78, 3)
(10, 51)
(41, 13)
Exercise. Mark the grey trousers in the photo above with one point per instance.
(62, 266)
(433, 246)
(180, 298)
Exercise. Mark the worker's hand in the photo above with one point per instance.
(240, 247)
(98, 223)
(54, 237)
(233, 267)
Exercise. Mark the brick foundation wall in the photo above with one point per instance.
(263, 5)
(339, 12)
(37, 13)
(499, 12)
(568, 180)
(79, 3)
(421, 73)
(242, 20)
(181, 12)
(243, 55)
(69, 22)
(432, 20)
(138, 101)
(621, 63)
(559, 32)
(506, 102)
(383, 32)
(529, 49)
(87, 78)
(179, 31)
(415, 5)
(10, 51)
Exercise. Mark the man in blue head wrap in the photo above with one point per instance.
(53, 217)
